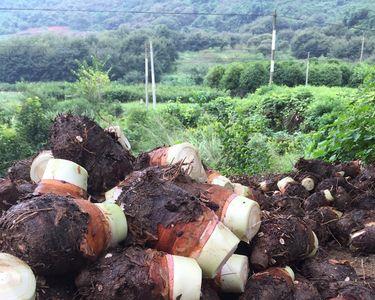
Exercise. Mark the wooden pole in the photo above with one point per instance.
(146, 75)
(273, 47)
(307, 68)
(153, 76)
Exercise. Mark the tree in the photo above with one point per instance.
(252, 77)
(92, 81)
(214, 76)
(310, 40)
(32, 123)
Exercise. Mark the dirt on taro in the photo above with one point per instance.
(337, 208)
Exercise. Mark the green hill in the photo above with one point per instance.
(312, 12)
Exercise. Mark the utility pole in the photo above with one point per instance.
(273, 47)
(146, 74)
(153, 76)
(362, 47)
(307, 68)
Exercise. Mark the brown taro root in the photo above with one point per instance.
(166, 217)
(344, 290)
(286, 205)
(56, 288)
(353, 221)
(317, 200)
(289, 187)
(135, 273)
(333, 183)
(240, 214)
(323, 272)
(305, 290)
(364, 201)
(282, 240)
(209, 291)
(319, 167)
(185, 154)
(274, 283)
(82, 141)
(56, 235)
(366, 180)
(13, 191)
(308, 180)
(351, 169)
(323, 222)
(20, 170)
(363, 241)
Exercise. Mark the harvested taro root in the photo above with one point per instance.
(363, 241)
(274, 283)
(56, 235)
(305, 290)
(20, 170)
(323, 222)
(366, 180)
(81, 140)
(185, 154)
(287, 205)
(135, 273)
(240, 214)
(344, 290)
(166, 217)
(365, 201)
(333, 183)
(13, 191)
(308, 180)
(318, 167)
(209, 291)
(318, 199)
(56, 288)
(282, 240)
(322, 272)
(353, 221)
(289, 187)
(349, 169)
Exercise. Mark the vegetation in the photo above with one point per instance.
(240, 79)
(265, 131)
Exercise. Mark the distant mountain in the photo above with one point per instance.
(313, 12)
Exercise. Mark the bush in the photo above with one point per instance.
(32, 123)
(188, 115)
(325, 74)
(12, 146)
(230, 80)
(252, 77)
(351, 136)
(285, 111)
(214, 76)
(289, 73)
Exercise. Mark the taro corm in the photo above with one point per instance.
(135, 273)
(56, 235)
(165, 217)
(81, 140)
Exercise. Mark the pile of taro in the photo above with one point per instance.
(316, 238)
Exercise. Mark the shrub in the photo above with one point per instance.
(214, 76)
(32, 123)
(252, 77)
(230, 80)
(285, 111)
(351, 136)
(325, 74)
(289, 73)
(12, 147)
